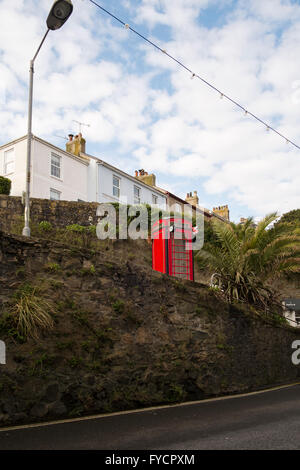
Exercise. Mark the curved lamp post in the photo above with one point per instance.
(59, 13)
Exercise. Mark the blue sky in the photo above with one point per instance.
(146, 112)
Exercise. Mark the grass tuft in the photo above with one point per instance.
(31, 313)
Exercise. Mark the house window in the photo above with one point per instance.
(137, 195)
(55, 165)
(9, 161)
(154, 199)
(116, 186)
(54, 195)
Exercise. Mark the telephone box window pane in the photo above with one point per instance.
(180, 259)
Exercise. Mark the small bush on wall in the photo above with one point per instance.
(5, 185)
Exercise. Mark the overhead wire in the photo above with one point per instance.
(195, 75)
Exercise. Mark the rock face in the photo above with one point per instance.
(124, 336)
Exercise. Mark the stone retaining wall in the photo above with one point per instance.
(58, 213)
(125, 336)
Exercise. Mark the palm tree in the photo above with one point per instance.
(246, 258)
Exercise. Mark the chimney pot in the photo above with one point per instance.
(76, 145)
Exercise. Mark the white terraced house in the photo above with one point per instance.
(72, 175)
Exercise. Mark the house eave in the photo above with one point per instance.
(126, 175)
(85, 161)
(82, 159)
(13, 142)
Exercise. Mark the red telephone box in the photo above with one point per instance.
(172, 247)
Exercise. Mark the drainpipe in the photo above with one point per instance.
(98, 181)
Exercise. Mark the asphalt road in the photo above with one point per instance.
(269, 420)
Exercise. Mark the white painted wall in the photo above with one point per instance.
(105, 188)
(18, 176)
(73, 182)
(91, 181)
(72, 185)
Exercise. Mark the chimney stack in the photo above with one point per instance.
(76, 145)
(223, 211)
(144, 176)
(192, 198)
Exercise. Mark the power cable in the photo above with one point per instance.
(195, 75)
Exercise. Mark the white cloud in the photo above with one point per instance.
(149, 110)
(178, 13)
(249, 61)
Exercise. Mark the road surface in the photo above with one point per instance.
(268, 420)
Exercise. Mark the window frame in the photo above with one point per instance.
(5, 163)
(53, 154)
(52, 190)
(154, 199)
(136, 199)
(177, 208)
(118, 187)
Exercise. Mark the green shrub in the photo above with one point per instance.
(88, 271)
(45, 226)
(80, 235)
(91, 229)
(118, 306)
(52, 267)
(76, 228)
(248, 258)
(5, 185)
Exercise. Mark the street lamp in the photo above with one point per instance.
(59, 13)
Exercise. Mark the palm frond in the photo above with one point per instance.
(246, 257)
